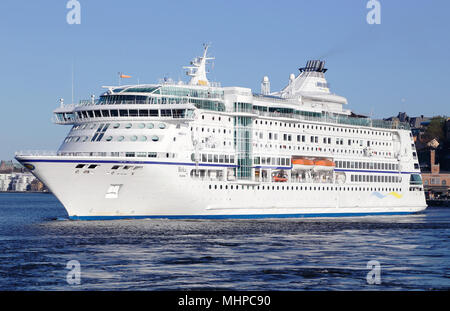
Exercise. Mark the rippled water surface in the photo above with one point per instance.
(37, 241)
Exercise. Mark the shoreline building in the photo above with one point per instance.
(436, 183)
(20, 182)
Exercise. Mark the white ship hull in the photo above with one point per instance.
(165, 190)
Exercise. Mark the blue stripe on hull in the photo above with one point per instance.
(252, 216)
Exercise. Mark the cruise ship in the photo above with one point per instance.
(197, 149)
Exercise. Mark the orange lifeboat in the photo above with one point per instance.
(302, 164)
(324, 165)
(279, 179)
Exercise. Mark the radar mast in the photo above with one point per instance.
(197, 70)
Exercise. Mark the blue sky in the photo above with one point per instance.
(400, 65)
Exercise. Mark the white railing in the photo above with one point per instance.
(36, 153)
(337, 120)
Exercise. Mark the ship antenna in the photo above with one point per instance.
(72, 79)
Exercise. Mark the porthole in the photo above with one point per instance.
(109, 138)
(150, 125)
(128, 125)
(162, 126)
(120, 138)
(116, 126)
(141, 125)
(155, 138)
(143, 138)
(133, 138)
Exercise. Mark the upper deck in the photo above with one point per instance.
(307, 97)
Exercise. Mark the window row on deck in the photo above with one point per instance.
(116, 113)
(367, 165)
(376, 178)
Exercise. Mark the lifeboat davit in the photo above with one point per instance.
(324, 165)
(302, 164)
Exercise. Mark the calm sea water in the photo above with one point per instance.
(37, 241)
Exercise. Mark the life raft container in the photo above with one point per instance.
(324, 165)
(302, 164)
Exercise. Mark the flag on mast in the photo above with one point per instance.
(121, 76)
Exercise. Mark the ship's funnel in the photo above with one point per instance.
(314, 65)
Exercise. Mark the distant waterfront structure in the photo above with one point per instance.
(10, 167)
(436, 182)
(414, 122)
(14, 178)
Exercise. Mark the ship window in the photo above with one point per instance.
(143, 138)
(166, 113)
(100, 137)
(129, 154)
(128, 125)
(105, 113)
(120, 138)
(150, 125)
(115, 167)
(143, 113)
(133, 138)
(92, 166)
(152, 154)
(155, 138)
(133, 113)
(80, 166)
(123, 113)
(153, 113)
(109, 138)
(162, 126)
(114, 113)
(141, 125)
(415, 179)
